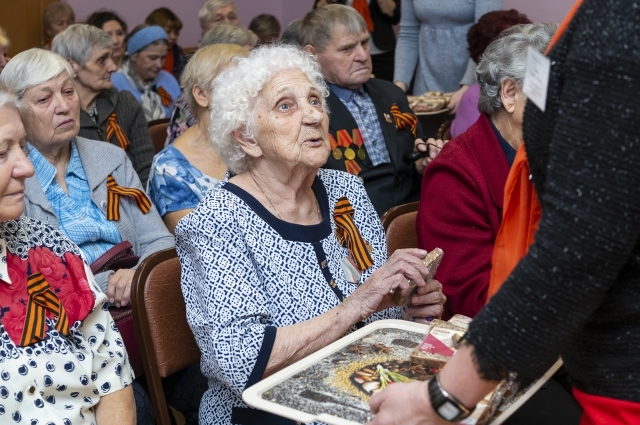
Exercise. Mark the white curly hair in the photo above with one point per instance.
(236, 90)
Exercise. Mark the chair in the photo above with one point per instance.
(158, 130)
(399, 225)
(444, 132)
(165, 339)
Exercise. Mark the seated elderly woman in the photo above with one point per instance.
(56, 18)
(87, 189)
(50, 365)
(142, 72)
(183, 172)
(480, 35)
(284, 257)
(182, 118)
(165, 18)
(113, 25)
(105, 113)
(463, 188)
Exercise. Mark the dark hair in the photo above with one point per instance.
(488, 27)
(266, 27)
(165, 18)
(101, 17)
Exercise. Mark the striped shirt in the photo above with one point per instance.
(79, 218)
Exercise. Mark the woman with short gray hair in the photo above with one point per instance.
(266, 279)
(105, 113)
(464, 185)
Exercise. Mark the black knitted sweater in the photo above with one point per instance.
(577, 292)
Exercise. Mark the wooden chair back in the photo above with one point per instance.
(399, 225)
(158, 130)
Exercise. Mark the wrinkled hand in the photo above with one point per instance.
(455, 99)
(374, 294)
(404, 404)
(119, 287)
(427, 302)
(434, 146)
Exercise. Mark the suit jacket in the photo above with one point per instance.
(383, 35)
(146, 232)
(131, 118)
(461, 211)
(389, 184)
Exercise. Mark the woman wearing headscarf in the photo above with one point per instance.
(105, 113)
(142, 73)
(72, 368)
(254, 310)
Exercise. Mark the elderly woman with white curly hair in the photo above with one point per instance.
(283, 257)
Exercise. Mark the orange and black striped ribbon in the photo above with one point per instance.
(113, 199)
(41, 298)
(166, 97)
(349, 235)
(404, 119)
(113, 128)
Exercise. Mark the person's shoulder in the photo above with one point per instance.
(25, 233)
(99, 149)
(119, 80)
(167, 80)
(386, 87)
(340, 183)
(127, 98)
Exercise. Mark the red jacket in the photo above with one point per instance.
(460, 212)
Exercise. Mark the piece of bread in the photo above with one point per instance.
(432, 261)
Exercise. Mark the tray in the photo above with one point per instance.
(438, 112)
(323, 387)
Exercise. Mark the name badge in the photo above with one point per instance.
(536, 78)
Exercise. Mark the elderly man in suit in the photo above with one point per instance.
(372, 127)
(380, 16)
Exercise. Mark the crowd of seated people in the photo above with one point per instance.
(277, 139)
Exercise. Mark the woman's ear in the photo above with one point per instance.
(74, 66)
(249, 146)
(200, 96)
(508, 92)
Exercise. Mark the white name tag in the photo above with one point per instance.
(536, 79)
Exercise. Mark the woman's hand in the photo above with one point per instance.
(428, 302)
(374, 294)
(455, 99)
(434, 146)
(119, 287)
(404, 404)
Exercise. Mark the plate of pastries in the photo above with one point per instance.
(430, 103)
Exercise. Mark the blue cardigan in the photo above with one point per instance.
(164, 80)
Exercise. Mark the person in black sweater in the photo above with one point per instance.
(576, 294)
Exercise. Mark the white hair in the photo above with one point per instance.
(211, 6)
(33, 67)
(78, 41)
(236, 91)
(7, 98)
(506, 59)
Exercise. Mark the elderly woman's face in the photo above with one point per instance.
(59, 23)
(148, 62)
(115, 30)
(14, 165)
(53, 111)
(291, 125)
(95, 75)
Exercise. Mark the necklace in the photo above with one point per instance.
(271, 203)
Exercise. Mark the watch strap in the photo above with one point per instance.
(446, 405)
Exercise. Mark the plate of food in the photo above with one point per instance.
(430, 103)
(334, 384)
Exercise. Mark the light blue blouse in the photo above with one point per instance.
(174, 184)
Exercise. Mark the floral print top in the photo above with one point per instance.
(181, 119)
(61, 378)
(174, 184)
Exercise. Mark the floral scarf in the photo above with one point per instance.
(150, 99)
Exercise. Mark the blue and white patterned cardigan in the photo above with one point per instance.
(245, 273)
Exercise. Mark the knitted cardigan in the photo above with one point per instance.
(131, 118)
(577, 292)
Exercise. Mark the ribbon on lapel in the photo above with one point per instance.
(113, 128)
(113, 199)
(404, 119)
(41, 298)
(164, 96)
(348, 234)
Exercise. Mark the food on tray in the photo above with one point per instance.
(460, 321)
(439, 345)
(376, 377)
(432, 261)
(430, 101)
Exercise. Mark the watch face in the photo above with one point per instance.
(448, 411)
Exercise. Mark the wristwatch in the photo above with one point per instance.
(446, 406)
